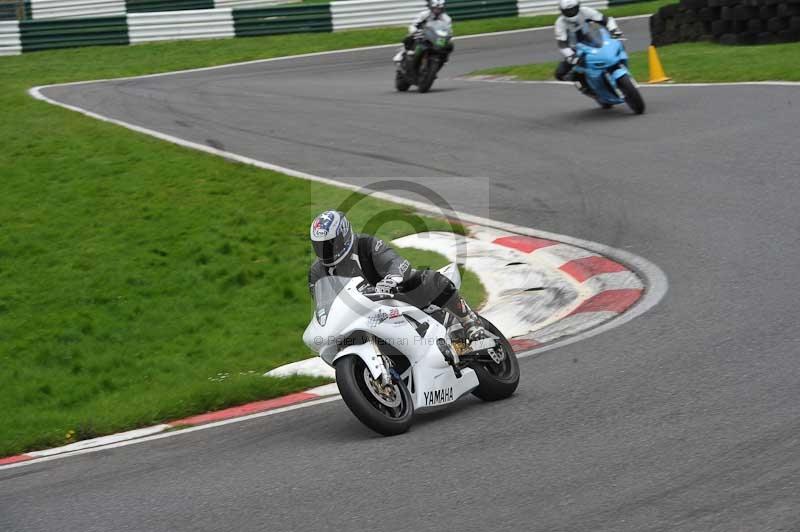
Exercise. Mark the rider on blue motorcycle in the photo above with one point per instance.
(343, 253)
(569, 26)
(435, 11)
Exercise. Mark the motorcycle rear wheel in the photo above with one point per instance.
(632, 95)
(497, 381)
(353, 380)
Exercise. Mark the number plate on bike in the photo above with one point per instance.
(480, 345)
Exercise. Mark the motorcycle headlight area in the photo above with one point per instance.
(600, 65)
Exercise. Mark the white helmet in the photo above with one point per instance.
(436, 7)
(570, 9)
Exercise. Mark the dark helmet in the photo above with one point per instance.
(332, 237)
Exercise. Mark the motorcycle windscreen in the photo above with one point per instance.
(326, 290)
(591, 35)
(438, 32)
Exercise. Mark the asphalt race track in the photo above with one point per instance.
(684, 419)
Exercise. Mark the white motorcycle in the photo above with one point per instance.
(392, 358)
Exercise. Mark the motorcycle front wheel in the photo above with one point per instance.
(400, 82)
(497, 381)
(387, 412)
(632, 95)
(427, 73)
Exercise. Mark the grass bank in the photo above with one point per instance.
(694, 63)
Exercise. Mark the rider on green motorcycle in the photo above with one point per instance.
(435, 11)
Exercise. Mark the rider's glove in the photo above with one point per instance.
(616, 34)
(388, 285)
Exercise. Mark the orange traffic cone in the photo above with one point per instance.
(657, 74)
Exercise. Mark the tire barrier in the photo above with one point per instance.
(133, 28)
(727, 22)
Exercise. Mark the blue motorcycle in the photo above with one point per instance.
(603, 64)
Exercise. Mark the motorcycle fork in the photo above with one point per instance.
(419, 52)
(386, 365)
(612, 86)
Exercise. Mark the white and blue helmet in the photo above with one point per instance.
(570, 9)
(332, 237)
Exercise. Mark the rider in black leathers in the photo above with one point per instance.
(344, 253)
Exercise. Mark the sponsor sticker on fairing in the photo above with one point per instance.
(438, 397)
(377, 318)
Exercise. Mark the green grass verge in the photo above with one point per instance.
(135, 274)
(694, 63)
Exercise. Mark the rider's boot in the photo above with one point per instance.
(468, 319)
(399, 55)
(580, 80)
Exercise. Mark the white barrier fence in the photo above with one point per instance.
(347, 14)
(180, 25)
(372, 13)
(68, 9)
(239, 4)
(10, 43)
(50, 9)
(547, 7)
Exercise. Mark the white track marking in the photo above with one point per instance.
(178, 432)
(103, 441)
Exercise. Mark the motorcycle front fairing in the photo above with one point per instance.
(436, 37)
(341, 312)
(353, 324)
(438, 33)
